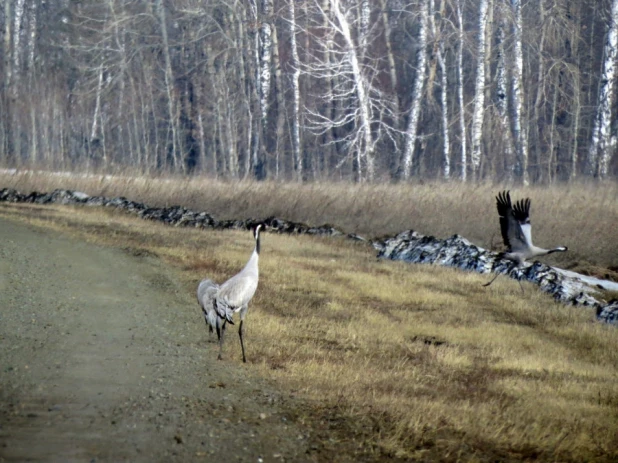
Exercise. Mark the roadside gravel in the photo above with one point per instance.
(103, 357)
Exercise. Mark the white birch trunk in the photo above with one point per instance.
(279, 126)
(331, 104)
(298, 164)
(252, 162)
(265, 58)
(552, 131)
(243, 41)
(540, 86)
(169, 82)
(32, 35)
(446, 144)
(501, 99)
(460, 93)
(7, 46)
(365, 150)
(576, 122)
(421, 61)
(33, 136)
(600, 153)
(97, 105)
(440, 56)
(19, 17)
(479, 90)
(520, 134)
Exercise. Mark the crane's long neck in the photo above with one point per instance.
(537, 252)
(252, 264)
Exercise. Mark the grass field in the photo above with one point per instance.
(583, 217)
(395, 360)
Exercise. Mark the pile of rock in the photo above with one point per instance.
(410, 246)
(173, 215)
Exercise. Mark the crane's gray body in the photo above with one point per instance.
(517, 230)
(234, 295)
(219, 302)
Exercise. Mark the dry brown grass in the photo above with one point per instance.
(396, 360)
(583, 217)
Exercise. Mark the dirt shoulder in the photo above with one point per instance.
(104, 358)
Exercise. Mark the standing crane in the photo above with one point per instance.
(220, 302)
(517, 231)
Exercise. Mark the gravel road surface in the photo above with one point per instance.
(104, 357)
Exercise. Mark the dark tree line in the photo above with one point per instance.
(312, 89)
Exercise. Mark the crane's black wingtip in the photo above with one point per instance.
(504, 198)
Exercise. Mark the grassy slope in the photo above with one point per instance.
(396, 359)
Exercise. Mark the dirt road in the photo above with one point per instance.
(103, 357)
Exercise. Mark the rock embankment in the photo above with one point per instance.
(571, 288)
(407, 246)
(173, 215)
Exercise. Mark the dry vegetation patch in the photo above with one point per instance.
(398, 360)
(581, 216)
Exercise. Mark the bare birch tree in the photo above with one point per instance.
(438, 39)
(392, 69)
(520, 133)
(501, 97)
(169, 88)
(296, 146)
(368, 107)
(419, 83)
(600, 152)
(265, 48)
(460, 92)
(479, 91)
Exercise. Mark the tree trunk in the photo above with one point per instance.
(298, 162)
(364, 15)
(460, 93)
(520, 133)
(440, 58)
(366, 147)
(540, 92)
(501, 100)
(279, 94)
(599, 154)
(421, 60)
(479, 91)
(169, 83)
(392, 70)
(19, 17)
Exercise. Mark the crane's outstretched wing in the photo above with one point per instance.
(521, 211)
(514, 222)
(206, 293)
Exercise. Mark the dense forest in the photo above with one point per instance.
(381, 90)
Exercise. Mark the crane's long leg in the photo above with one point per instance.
(497, 275)
(243, 313)
(494, 279)
(220, 333)
(242, 345)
